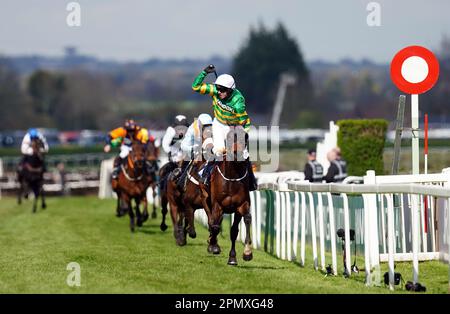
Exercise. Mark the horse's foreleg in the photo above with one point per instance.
(145, 210)
(163, 225)
(248, 255)
(190, 222)
(215, 221)
(139, 220)
(233, 235)
(180, 232)
(154, 202)
(127, 202)
(174, 216)
(20, 192)
(35, 200)
(43, 204)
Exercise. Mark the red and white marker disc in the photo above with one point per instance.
(414, 70)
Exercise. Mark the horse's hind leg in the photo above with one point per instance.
(233, 235)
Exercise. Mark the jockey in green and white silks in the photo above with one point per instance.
(229, 110)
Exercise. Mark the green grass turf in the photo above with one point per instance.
(36, 248)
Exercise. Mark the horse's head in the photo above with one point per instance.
(38, 146)
(137, 155)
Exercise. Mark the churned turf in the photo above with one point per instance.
(35, 250)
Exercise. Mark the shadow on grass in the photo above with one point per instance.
(141, 230)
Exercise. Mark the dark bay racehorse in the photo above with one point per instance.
(31, 175)
(184, 201)
(132, 184)
(229, 194)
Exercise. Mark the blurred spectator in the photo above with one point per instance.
(313, 169)
(337, 171)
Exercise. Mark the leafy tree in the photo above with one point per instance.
(261, 60)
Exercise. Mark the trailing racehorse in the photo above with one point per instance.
(228, 193)
(132, 184)
(185, 199)
(30, 175)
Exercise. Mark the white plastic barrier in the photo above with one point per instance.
(386, 191)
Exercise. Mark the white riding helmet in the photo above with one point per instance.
(225, 80)
(204, 119)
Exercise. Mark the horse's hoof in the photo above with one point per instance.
(163, 227)
(214, 249)
(192, 234)
(44, 206)
(144, 218)
(139, 223)
(248, 257)
(153, 215)
(232, 261)
(181, 242)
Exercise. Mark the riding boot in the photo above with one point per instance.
(207, 169)
(116, 170)
(182, 177)
(253, 183)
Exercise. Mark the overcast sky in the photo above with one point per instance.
(141, 29)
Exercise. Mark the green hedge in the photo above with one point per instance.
(362, 143)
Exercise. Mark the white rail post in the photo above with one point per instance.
(431, 203)
(347, 234)
(296, 215)
(288, 225)
(321, 231)
(383, 224)
(402, 221)
(367, 243)
(253, 214)
(391, 239)
(372, 213)
(283, 225)
(313, 229)
(258, 219)
(415, 211)
(278, 223)
(422, 224)
(303, 231)
(332, 233)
